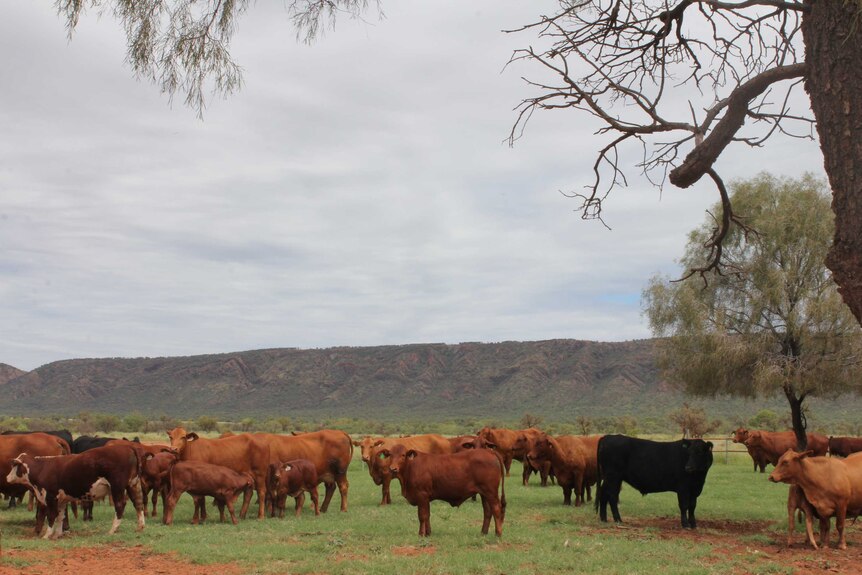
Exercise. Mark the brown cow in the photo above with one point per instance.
(292, 478)
(155, 477)
(56, 481)
(329, 450)
(573, 459)
(452, 478)
(505, 442)
(200, 479)
(757, 456)
(379, 463)
(36, 444)
(524, 443)
(243, 453)
(832, 486)
(844, 446)
(774, 444)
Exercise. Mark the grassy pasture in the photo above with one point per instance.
(741, 516)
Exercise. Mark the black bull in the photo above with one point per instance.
(652, 467)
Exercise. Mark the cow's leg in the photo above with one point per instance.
(246, 499)
(498, 511)
(329, 490)
(53, 512)
(221, 504)
(170, 505)
(119, 497)
(41, 514)
(579, 488)
(543, 473)
(58, 522)
(613, 498)
(825, 525)
(300, 501)
(589, 491)
(261, 497)
(424, 509)
(486, 518)
(384, 487)
(155, 501)
(792, 504)
(567, 494)
(343, 488)
(527, 472)
(840, 517)
(136, 494)
(230, 503)
(313, 493)
(507, 463)
(199, 505)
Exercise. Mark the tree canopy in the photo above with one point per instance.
(774, 321)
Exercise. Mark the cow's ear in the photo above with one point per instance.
(288, 467)
(411, 454)
(709, 445)
(806, 454)
(378, 442)
(384, 453)
(148, 456)
(685, 443)
(192, 436)
(356, 443)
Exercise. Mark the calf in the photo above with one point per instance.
(58, 480)
(292, 478)
(757, 456)
(452, 478)
(378, 459)
(652, 467)
(155, 477)
(844, 446)
(832, 486)
(201, 479)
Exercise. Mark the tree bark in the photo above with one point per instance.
(832, 32)
(797, 416)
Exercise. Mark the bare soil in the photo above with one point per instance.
(104, 560)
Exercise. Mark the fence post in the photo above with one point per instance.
(726, 451)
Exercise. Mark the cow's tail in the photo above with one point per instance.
(599, 477)
(502, 482)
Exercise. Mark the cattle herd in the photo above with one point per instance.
(61, 474)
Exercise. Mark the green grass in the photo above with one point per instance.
(540, 534)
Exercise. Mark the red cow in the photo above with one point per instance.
(573, 459)
(155, 477)
(59, 480)
(832, 486)
(524, 444)
(200, 479)
(844, 446)
(292, 478)
(452, 478)
(242, 453)
(378, 467)
(757, 456)
(329, 450)
(774, 444)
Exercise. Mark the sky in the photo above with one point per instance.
(358, 191)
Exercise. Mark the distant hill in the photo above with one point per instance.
(558, 379)
(8, 373)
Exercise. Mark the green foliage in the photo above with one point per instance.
(206, 423)
(106, 422)
(766, 419)
(692, 421)
(773, 319)
(135, 423)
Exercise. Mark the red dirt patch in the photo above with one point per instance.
(105, 560)
(413, 551)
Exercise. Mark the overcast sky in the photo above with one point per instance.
(355, 192)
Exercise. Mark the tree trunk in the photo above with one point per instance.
(797, 416)
(832, 32)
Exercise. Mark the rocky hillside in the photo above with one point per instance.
(8, 373)
(556, 378)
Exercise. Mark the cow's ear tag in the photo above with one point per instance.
(381, 455)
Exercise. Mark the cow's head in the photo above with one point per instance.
(20, 472)
(740, 435)
(699, 455)
(365, 446)
(180, 438)
(541, 449)
(399, 457)
(789, 467)
(754, 439)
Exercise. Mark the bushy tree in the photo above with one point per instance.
(772, 320)
(529, 420)
(106, 422)
(206, 423)
(692, 421)
(765, 419)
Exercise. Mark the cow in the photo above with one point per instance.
(796, 502)
(844, 446)
(574, 461)
(155, 477)
(378, 466)
(200, 479)
(652, 467)
(832, 486)
(773, 444)
(504, 441)
(243, 453)
(36, 443)
(452, 478)
(329, 450)
(292, 478)
(63, 434)
(58, 480)
(525, 442)
(757, 456)
(365, 444)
